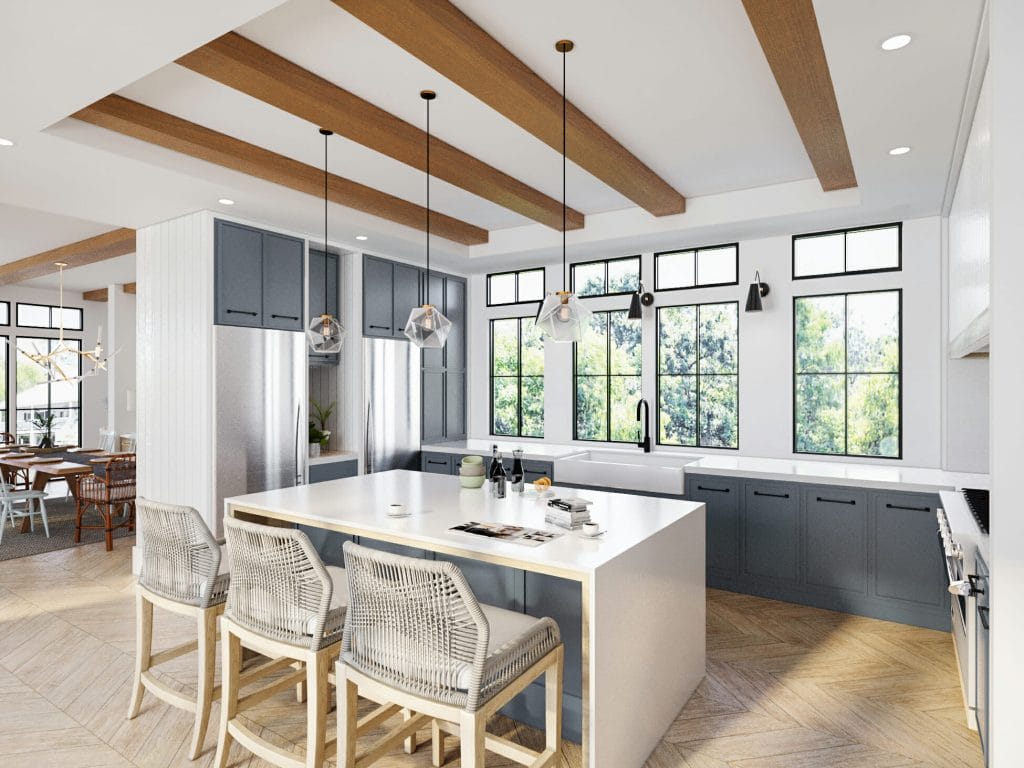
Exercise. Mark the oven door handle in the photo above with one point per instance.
(951, 569)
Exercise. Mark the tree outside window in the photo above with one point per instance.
(847, 370)
(517, 378)
(698, 375)
(607, 378)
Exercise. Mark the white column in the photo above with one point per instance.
(1007, 385)
(119, 337)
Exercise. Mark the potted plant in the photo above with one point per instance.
(321, 415)
(43, 421)
(315, 437)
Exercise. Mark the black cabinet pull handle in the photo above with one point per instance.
(716, 490)
(983, 616)
(837, 501)
(242, 312)
(975, 589)
(284, 317)
(909, 509)
(381, 327)
(774, 495)
(431, 461)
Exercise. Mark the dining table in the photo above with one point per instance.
(43, 469)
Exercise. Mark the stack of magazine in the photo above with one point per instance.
(569, 513)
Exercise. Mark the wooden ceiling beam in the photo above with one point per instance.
(100, 294)
(130, 118)
(447, 40)
(791, 40)
(109, 245)
(238, 63)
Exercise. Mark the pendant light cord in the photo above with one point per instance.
(325, 224)
(428, 201)
(565, 269)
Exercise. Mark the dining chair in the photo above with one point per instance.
(285, 604)
(108, 440)
(417, 642)
(183, 571)
(111, 495)
(34, 504)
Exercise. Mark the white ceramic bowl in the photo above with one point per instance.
(472, 470)
(471, 481)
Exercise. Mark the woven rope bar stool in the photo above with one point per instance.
(417, 641)
(183, 571)
(284, 604)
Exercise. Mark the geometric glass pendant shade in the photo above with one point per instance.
(563, 317)
(427, 327)
(324, 334)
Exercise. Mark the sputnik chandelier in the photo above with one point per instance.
(57, 361)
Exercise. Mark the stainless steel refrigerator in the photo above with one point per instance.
(260, 428)
(391, 404)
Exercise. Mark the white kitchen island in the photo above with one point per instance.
(641, 583)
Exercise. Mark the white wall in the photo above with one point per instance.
(966, 274)
(766, 342)
(120, 338)
(1007, 372)
(94, 388)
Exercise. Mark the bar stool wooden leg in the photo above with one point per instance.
(207, 653)
(553, 702)
(346, 719)
(410, 743)
(318, 699)
(143, 650)
(230, 665)
(437, 744)
(471, 737)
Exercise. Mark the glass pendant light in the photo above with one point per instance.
(427, 327)
(325, 334)
(562, 316)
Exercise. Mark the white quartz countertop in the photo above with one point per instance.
(536, 451)
(331, 456)
(436, 503)
(839, 473)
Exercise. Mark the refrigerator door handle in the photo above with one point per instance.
(299, 479)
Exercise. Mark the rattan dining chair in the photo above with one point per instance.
(283, 603)
(183, 571)
(417, 640)
(111, 495)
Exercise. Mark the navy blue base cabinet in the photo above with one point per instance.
(863, 551)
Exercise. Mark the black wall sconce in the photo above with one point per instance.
(758, 290)
(646, 299)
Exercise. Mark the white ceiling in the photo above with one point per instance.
(682, 83)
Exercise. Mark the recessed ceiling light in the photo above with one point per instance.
(896, 42)
(362, 237)
(6, 143)
(226, 201)
(899, 150)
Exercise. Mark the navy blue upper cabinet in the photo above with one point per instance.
(455, 309)
(238, 274)
(283, 282)
(259, 278)
(406, 297)
(378, 298)
(318, 304)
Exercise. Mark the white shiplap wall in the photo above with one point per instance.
(175, 375)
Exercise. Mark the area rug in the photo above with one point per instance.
(61, 515)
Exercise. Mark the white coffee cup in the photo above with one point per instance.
(396, 510)
(591, 529)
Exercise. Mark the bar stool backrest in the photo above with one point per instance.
(279, 586)
(414, 625)
(180, 557)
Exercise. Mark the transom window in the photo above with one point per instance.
(515, 287)
(697, 267)
(48, 316)
(847, 388)
(37, 396)
(607, 371)
(698, 375)
(517, 378)
(5, 313)
(610, 277)
(848, 251)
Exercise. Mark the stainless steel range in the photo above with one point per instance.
(963, 536)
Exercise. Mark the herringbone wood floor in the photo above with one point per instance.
(787, 686)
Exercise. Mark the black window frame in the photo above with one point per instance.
(845, 233)
(518, 376)
(658, 374)
(517, 272)
(52, 308)
(608, 378)
(847, 373)
(49, 387)
(5, 422)
(639, 271)
(7, 306)
(696, 275)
